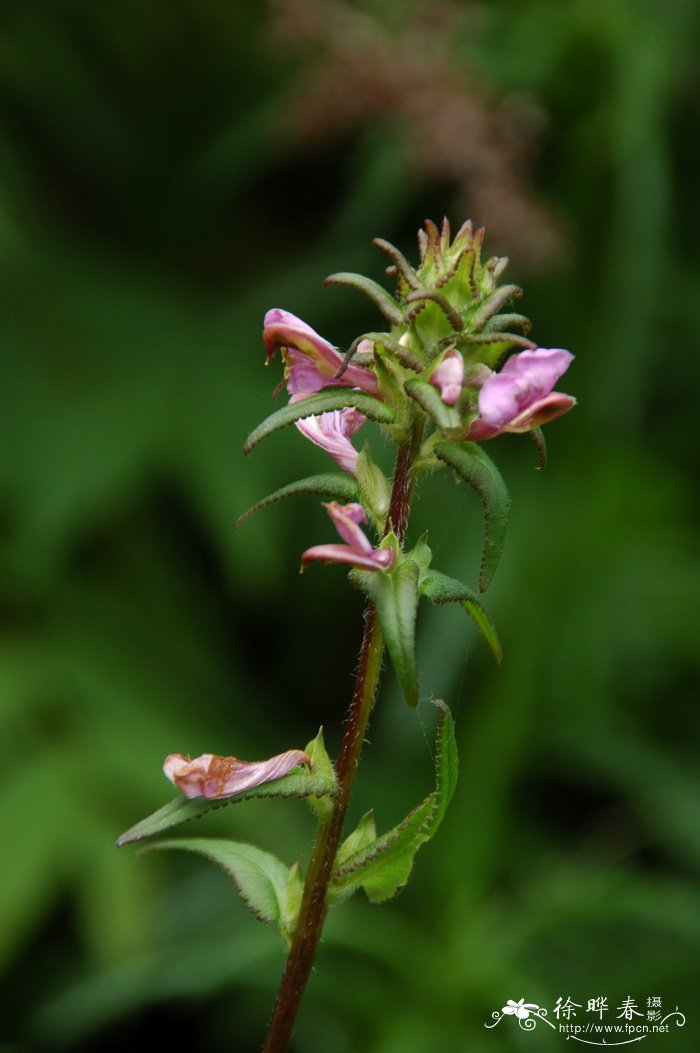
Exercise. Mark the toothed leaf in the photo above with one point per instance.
(476, 468)
(262, 880)
(334, 486)
(439, 588)
(323, 402)
(382, 866)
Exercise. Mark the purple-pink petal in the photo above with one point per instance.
(375, 559)
(520, 397)
(211, 776)
(346, 520)
(332, 431)
(358, 551)
(298, 341)
(525, 379)
(448, 377)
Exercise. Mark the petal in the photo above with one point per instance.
(346, 520)
(212, 776)
(331, 431)
(525, 379)
(448, 377)
(283, 329)
(376, 559)
(542, 412)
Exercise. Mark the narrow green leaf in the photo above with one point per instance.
(319, 782)
(493, 304)
(476, 468)
(395, 595)
(439, 588)
(332, 485)
(382, 866)
(377, 293)
(261, 879)
(428, 398)
(323, 402)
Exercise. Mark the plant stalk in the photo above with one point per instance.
(313, 906)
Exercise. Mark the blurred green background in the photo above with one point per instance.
(168, 171)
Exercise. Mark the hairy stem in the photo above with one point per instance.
(313, 907)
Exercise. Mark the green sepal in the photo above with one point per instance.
(323, 402)
(439, 588)
(322, 767)
(447, 418)
(377, 294)
(261, 879)
(476, 468)
(319, 782)
(493, 346)
(332, 485)
(373, 488)
(382, 865)
(394, 593)
(364, 834)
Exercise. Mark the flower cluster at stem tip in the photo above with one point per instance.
(444, 361)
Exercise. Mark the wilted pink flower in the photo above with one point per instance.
(212, 777)
(358, 550)
(332, 431)
(311, 362)
(520, 397)
(448, 377)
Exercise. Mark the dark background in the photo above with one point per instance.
(168, 171)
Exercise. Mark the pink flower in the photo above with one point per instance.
(358, 550)
(520, 397)
(212, 777)
(311, 362)
(448, 377)
(332, 431)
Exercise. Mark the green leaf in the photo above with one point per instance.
(324, 402)
(377, 294)
(262, 880)
(319, 782)
(439, 588)
(476, 468)
(395, 595)
(447, 418)
(334, 486)
(383, 865)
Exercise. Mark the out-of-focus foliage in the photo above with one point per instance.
(168, 172)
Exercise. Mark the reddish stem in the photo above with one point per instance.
(313, 907)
